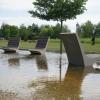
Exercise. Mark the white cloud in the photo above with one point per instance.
(93, 3)
(16, 20)
(16, 4)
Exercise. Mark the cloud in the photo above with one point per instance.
(93, 3)
(16, 20)
(16, 4)
(93, 7)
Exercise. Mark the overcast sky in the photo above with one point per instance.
(15, 12)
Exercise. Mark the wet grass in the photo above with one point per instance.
(53, 45)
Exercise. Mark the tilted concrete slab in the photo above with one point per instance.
(75, 53)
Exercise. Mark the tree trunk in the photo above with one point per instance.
(60, 39)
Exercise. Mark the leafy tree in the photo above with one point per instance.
(46, 31)
(5, 30)
(57, 30)
(9, 31)
(31, 35)
(52, 31)
(14, 31)
(58, 10)
(33, 31)
(97, 30)
(35, 28)
(87, 29)
(23, 32)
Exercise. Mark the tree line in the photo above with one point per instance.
(34, 31)
(88, 29)
(31, 32)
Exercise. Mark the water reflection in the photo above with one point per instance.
(41, 62)
(14, 62)
(72, 82)
(68, 89)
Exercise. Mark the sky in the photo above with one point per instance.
(15, 12)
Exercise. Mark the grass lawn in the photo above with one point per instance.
(53, 45)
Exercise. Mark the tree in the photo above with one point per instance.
(58, 10)
(14, 31)
(35, 31)
(87, 29)
(23, 32)
(46, 31)
(97, 30)
(5, 30)
(57, 30)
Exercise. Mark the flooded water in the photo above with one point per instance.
(46, 77)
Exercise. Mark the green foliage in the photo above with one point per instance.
(52, 31)
(13, 31)
(57, 10)
(8, 31)
(23, 32)
(97, 30)
(31, 32)
(46, 31)
(86, 29)
(57, 30)
(34, 33)
(5, 30)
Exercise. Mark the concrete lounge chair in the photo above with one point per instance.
(41, 46)
(13, 45)
(75, 53)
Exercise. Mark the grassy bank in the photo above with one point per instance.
(53, 45)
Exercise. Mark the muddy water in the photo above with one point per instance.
(46, 77)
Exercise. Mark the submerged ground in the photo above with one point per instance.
(46, 77)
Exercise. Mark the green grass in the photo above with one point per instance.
(53, 45)
(3, 43)
(88, 40)
(88, 48)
